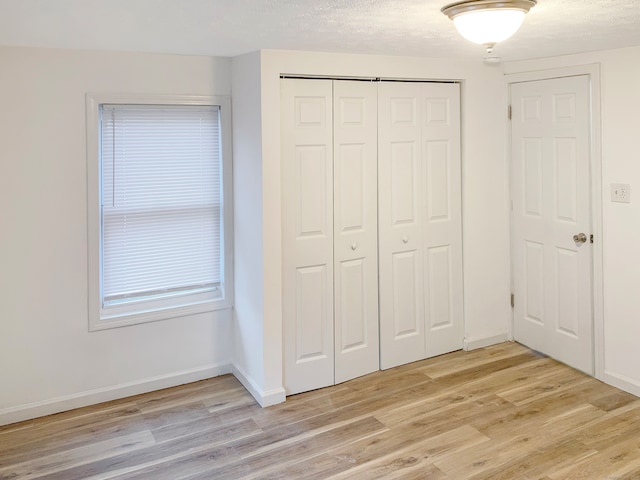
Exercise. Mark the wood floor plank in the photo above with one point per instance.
(288, 412)
(66, 440)
(461, 415)
(497, 454)
(485, 457)
(421, 454)
(501, 412)
(340, 458)
(67, 423)
(308, 428)
(210, 444)
(535, 464)
(613, 401)
(206, 392)
(224, 402)
(506, 379)
(54, 463)
(544, 386)
(381, 386)
(177, 466)
(405, 468)
(285, 453)
(615, 461)
(180, 413)
(187, 428)
(473, 372)
(457, 361)
(521, 418)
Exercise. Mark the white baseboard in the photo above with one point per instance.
(106, 394)
(622, 382)
(264, 398)
(481, 342)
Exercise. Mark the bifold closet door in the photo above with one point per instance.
(330, 289)
(307, 276)
(355, 229)
(420, 221)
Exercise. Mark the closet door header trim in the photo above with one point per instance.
(366, 79)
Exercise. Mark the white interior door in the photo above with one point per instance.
(355, 229)
(552, 274)
(307, 277)
(420, 221)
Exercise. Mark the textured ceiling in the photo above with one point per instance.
(232, 27)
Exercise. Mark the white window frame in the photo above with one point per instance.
(99, 318)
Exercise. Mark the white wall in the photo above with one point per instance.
(619, 333)
(250, 253)
(485, 185)
(48, 359)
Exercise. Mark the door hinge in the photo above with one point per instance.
(509, 112)
(591, 238)
(513, 300)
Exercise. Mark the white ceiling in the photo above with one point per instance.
(232, 27)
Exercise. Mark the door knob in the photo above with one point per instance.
(354, 246)
(405, 239)
(580, 238)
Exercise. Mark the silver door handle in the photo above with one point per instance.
(580, 238)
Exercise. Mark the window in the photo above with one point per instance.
(159, 208)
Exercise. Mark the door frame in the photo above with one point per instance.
(595, 133)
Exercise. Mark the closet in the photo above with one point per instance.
(372, 259)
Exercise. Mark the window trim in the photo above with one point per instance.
(98, 320)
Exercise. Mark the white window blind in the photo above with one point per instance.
(161, 201)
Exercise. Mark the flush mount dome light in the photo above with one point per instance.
(488, 22)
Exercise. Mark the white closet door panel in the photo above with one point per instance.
(355, 229)
(312, 286)
(401, 268)
(440, 290)
(307, 219)
(441, 211)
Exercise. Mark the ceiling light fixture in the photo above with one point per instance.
(488, 22)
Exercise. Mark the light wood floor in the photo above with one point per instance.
(502, 412)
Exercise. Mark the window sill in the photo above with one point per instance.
(106, 321)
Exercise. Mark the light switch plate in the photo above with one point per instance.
(621, 192)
